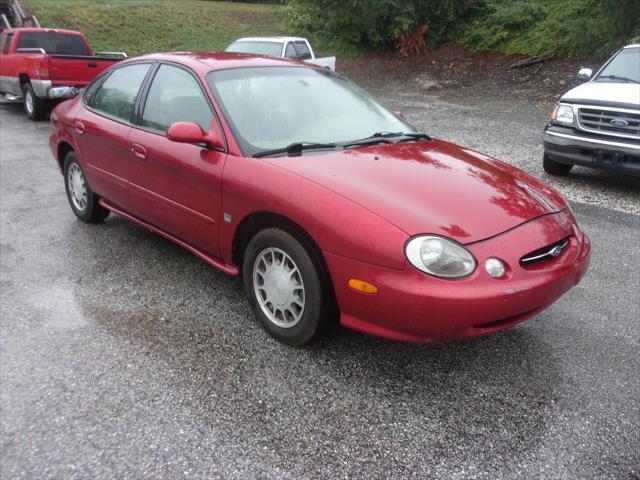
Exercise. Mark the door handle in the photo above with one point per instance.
(79, 126)
(92, 65)
(139, 151)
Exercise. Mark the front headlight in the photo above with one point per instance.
(562, 114)
(439, 257)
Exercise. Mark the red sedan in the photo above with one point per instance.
(329, 206)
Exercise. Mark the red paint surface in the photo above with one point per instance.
(359, 206)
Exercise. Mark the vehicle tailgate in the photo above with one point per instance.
(77, 70)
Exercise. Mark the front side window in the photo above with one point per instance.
(117, 95)
(175, 96)
(303, 50)
(625, 67)
(56, 43)
(256, 47)
(272, 107)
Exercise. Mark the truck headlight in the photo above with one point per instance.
(562, 114)
(439, 256)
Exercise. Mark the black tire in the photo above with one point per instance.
(92, 212)
(317, 294)
(34, 107)
(555, 168)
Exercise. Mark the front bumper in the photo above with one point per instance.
(415, 307)
(567, 145)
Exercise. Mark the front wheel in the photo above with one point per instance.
(34, 107)
(284, 286)
(83, 201)
(555, 168)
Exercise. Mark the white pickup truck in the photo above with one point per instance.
(284, 47)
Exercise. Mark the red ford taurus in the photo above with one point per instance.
(330, 206)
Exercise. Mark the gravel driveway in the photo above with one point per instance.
(123, 356)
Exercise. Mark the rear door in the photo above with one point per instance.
(176, 186)
(101, 130)
(9, 82)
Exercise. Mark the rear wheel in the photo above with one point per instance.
(34, 107)
(555, 168)
(284, 287)
(84, 203)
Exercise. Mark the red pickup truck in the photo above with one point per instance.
(33, 61)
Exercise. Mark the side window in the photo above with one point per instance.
(91, 90)
(117, 95)
(290, 52)
(303, 51)
(175, 96)
(7, 42)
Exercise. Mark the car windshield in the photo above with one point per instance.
(56, 43)
(625, 65)
(256, 47)
(272, 107)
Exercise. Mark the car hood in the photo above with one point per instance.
(617, 92)
(431, 187)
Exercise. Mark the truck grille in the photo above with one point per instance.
(610, 121)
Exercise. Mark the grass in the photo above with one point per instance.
(144, 26)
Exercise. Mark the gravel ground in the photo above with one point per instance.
(123, 356)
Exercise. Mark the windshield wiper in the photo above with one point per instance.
(618, 77)
(295, 149)
(384, 137)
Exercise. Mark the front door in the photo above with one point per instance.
(176, 186)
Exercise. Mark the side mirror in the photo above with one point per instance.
(585, 74)
(190, 132)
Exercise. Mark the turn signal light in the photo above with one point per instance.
(362, 286)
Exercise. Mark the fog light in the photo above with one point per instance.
(494, 267)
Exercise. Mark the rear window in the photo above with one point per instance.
(56, 43)
(258, 48)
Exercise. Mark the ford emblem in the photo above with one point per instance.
(616, 122)
(556, 251)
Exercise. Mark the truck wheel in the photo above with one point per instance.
(555, 168)
(84, 203)
(34, 107)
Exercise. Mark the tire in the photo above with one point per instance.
(273, 289)
(34, 107)
(555, 168)
(84, 203)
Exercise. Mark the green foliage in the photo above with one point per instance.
(568, 27)
(375, 23)
(143, 26)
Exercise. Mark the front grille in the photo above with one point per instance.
(610, 121)
(545, 253)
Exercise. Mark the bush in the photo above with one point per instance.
(568, 27)
(375, 23)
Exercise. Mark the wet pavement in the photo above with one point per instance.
(123, 356)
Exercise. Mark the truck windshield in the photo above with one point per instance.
(55, 43)
(273, 107)
(625, 67)
(258, 48)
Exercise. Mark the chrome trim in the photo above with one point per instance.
(549, 253)
(31, 50)
(112, 54)
(576, 113)
(41, 88)
(594, 140)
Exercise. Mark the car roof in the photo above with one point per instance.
(271, 39)
(633, 45)
(204, 62)
(48, 30)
